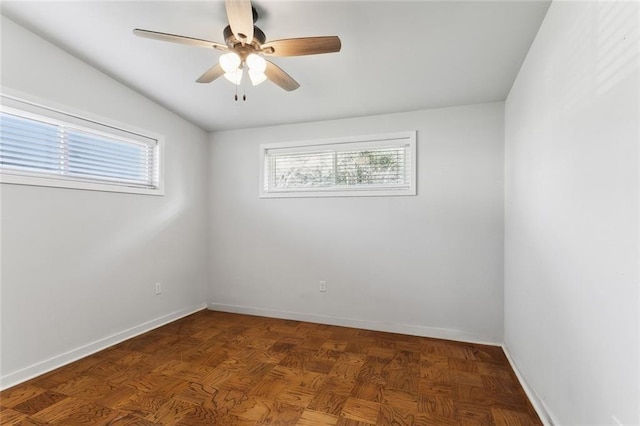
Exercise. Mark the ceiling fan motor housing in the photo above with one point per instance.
(247, 46)
(232, 41)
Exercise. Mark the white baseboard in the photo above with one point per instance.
(538, 405)
(410, 329)
(57, 361)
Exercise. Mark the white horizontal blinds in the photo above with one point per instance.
(339, 167)
(34, 146)
(29, 145)
(94, 156)
(302, 170)
(375, 167)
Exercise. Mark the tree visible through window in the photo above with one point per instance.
(380, 167)
(346, 166)
(303, 170)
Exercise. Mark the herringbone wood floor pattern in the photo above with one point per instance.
(215, 368)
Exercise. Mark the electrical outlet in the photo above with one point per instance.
(158, 288)
(323, 286)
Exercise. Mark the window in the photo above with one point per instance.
(355, 166)
(41, 146)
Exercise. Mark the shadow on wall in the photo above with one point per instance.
(615, 49)
(133, 236)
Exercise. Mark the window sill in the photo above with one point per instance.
(75, 184)
(337, 193)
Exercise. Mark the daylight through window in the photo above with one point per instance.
(371, 165)
(40, 150)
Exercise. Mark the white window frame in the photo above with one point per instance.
(22, 106)
(355, 142)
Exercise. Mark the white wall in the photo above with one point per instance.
(430, 264)
(80, 266)
(571, 266)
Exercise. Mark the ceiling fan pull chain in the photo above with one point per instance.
(244, 84)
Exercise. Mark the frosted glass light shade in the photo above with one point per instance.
(229, 61)
(234, 76)
(256, 77)
(256, 63)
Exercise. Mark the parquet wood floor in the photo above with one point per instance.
(215, 368)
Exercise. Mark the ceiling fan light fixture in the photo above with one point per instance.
(257, 77)
(244, 48)
(234, 76)
(256, 63)
(229, 62)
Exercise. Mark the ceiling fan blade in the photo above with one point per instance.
(211, 74)
(179, 39)
(240, 17)
(302, 46)
(279, 77)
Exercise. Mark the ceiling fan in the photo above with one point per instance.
(245, 46)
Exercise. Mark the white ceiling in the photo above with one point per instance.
(396, 56)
